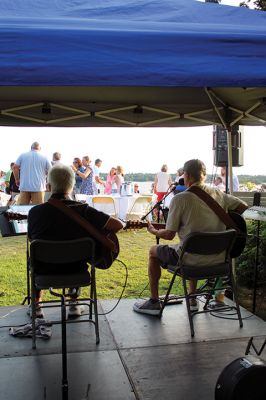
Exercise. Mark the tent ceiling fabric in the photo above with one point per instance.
(130, 106)
(131, 63)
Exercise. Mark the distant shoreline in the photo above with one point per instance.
(149, 177)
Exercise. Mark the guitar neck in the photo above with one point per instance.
(11, 216)
(140, 225)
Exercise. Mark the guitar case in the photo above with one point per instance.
(242, 379)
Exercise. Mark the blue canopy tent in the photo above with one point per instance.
(131, 63)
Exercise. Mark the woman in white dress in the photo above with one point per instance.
(119, 179)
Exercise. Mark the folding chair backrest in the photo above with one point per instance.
(140, 206)
(102, 200)
(207, 243)
(107, 204)
(61, 252)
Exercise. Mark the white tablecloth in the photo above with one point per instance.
(255, 213)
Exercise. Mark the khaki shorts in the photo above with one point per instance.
(31, 197)
(167, 255)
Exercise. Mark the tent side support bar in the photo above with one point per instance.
(157, 121)
(40, 121)
(215, 107)
(121, 121)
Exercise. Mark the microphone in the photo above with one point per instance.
(173, 186)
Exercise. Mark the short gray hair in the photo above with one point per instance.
(35, 146)
(56, 156)
(61, 178)
(196, 169)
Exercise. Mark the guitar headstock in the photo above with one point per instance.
(12, 216)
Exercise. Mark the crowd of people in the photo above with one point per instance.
(27, 176)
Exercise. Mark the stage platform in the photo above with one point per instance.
(139, 357)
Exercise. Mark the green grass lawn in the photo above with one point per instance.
(134, 248)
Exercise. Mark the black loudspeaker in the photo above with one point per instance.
(242, 379)
(220, 146)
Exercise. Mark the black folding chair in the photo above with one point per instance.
(205, 243)
(56, 255)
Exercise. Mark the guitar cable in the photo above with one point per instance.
(123, 290)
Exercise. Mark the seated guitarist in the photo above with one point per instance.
(187, 214)
(47, 222)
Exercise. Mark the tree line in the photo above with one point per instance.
(149, 177)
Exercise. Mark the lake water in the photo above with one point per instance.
(144, 187)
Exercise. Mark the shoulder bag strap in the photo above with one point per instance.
(85, 224)
(224, 217)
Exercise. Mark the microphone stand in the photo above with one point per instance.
(159, 208)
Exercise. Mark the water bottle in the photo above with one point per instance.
(114, 188)
(219, 293)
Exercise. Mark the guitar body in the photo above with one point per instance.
(108, 256)
(240, 241)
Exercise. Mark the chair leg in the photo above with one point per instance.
(91, 300)
(33, 314)
(236, 301)
(210, 293)
(188, 307)
(64, 350)
(167, 294)
(94, 298)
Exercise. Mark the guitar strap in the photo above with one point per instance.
(224, 217)
(85, 224)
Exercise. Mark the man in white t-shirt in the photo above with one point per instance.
(97, 181)
(30, 172)
(162, 182)
(187, 214)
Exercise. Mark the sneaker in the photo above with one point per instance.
(75, 309)
(150, 307)
(39, 311)
(193, 305)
